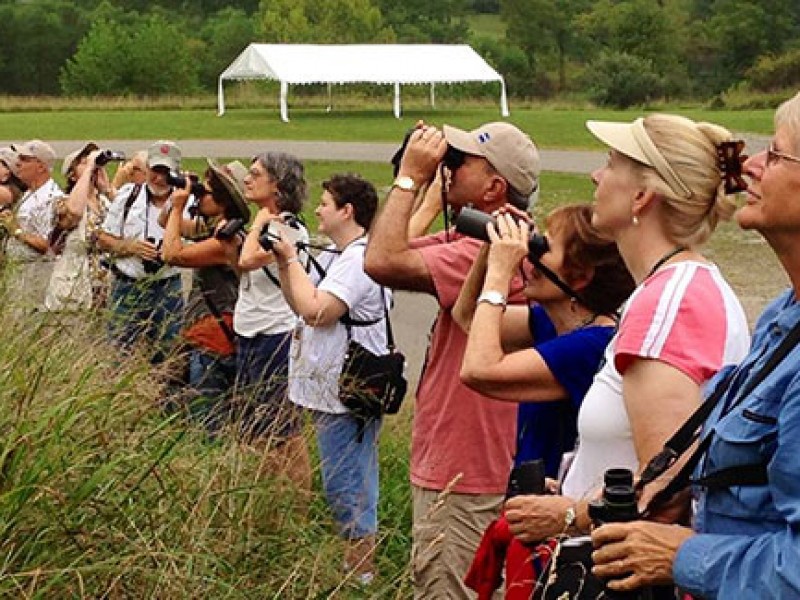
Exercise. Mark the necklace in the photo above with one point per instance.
(660, 262)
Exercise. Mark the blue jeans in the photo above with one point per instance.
(262, 405)
(349, 471)
(211, 378)
(146, 311)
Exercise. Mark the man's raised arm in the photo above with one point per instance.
(389, 259)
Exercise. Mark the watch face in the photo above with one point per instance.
(405, 183)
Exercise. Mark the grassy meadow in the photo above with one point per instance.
(105, 494)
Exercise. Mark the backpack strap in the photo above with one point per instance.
(126, 209)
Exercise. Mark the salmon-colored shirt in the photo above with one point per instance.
(457, 431)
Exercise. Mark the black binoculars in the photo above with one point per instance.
(472, 223)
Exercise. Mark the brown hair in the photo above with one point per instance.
(586, 249)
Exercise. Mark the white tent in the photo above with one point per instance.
(395, 64)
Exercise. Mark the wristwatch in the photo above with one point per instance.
(493, 297)
(570, 517)
(405, 183)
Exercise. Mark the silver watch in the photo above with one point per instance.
(493, 297)
(570, 517)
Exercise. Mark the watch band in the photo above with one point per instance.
(493, 297)
(570, 517)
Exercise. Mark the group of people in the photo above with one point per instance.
(584, 341)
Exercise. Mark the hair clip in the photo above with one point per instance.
(729, 161)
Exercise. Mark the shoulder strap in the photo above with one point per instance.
(229, 333)
(126, 209)
(679, 443)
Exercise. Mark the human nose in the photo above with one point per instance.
(754, 166)
(596, 174)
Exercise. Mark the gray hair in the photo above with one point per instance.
(788, 115)
(289, 173)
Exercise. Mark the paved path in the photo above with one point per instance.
(566, 161)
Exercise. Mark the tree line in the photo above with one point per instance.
(613, 52)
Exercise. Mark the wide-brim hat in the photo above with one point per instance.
(73, 157)
(229, 177)
(510, 151)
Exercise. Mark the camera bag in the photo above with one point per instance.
(371, 385)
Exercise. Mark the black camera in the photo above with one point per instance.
(618, 504)
(290, 221)
(178, 180)
(526, 478)
(152, 266)
(106, 156)
(229, 230)
(472, 223)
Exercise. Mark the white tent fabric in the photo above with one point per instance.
(396, 64)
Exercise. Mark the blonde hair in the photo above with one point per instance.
(788, 115)
(690, 149)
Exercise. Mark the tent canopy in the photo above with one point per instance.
(395, 64)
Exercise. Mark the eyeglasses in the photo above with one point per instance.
(773, 156)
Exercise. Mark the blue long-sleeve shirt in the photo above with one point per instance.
(748, 542)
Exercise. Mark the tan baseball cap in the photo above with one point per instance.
(164, 154)
(510, 151)
(39, 150)
(73, 157)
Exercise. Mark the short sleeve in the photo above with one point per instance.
(448, 265)
(113, 221)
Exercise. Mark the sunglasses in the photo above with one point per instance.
(773, 156)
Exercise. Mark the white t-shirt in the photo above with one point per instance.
(36, 214)
(261, 307)
(141, 223)
(317, 353)
(685, 315)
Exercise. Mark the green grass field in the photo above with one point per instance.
(550, 127)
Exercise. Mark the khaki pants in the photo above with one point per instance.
(446, 535)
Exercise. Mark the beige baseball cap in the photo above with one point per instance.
(73, 157)
(164, 154)
(39, 150)
(510, 151)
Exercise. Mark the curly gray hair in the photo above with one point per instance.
(289, 173)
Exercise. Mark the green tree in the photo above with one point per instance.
(152, 56)
(322, 22)
(426, 21)
(35, 41)
(224, 35)
(637, 28)
(740, 31)
(622, 80)
(544, 29)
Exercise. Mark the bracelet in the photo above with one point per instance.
(493, 297)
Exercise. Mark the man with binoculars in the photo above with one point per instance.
(145, 297)
(487, 168)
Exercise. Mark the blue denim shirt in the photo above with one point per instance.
(748, 541)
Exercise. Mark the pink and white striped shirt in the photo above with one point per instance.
(685, 315)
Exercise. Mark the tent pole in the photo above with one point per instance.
(220, 99)
(503, 98)
(284, 107)
(397, 100)
(330, 106)
(433, 95)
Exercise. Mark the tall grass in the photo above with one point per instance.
(102, 494)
